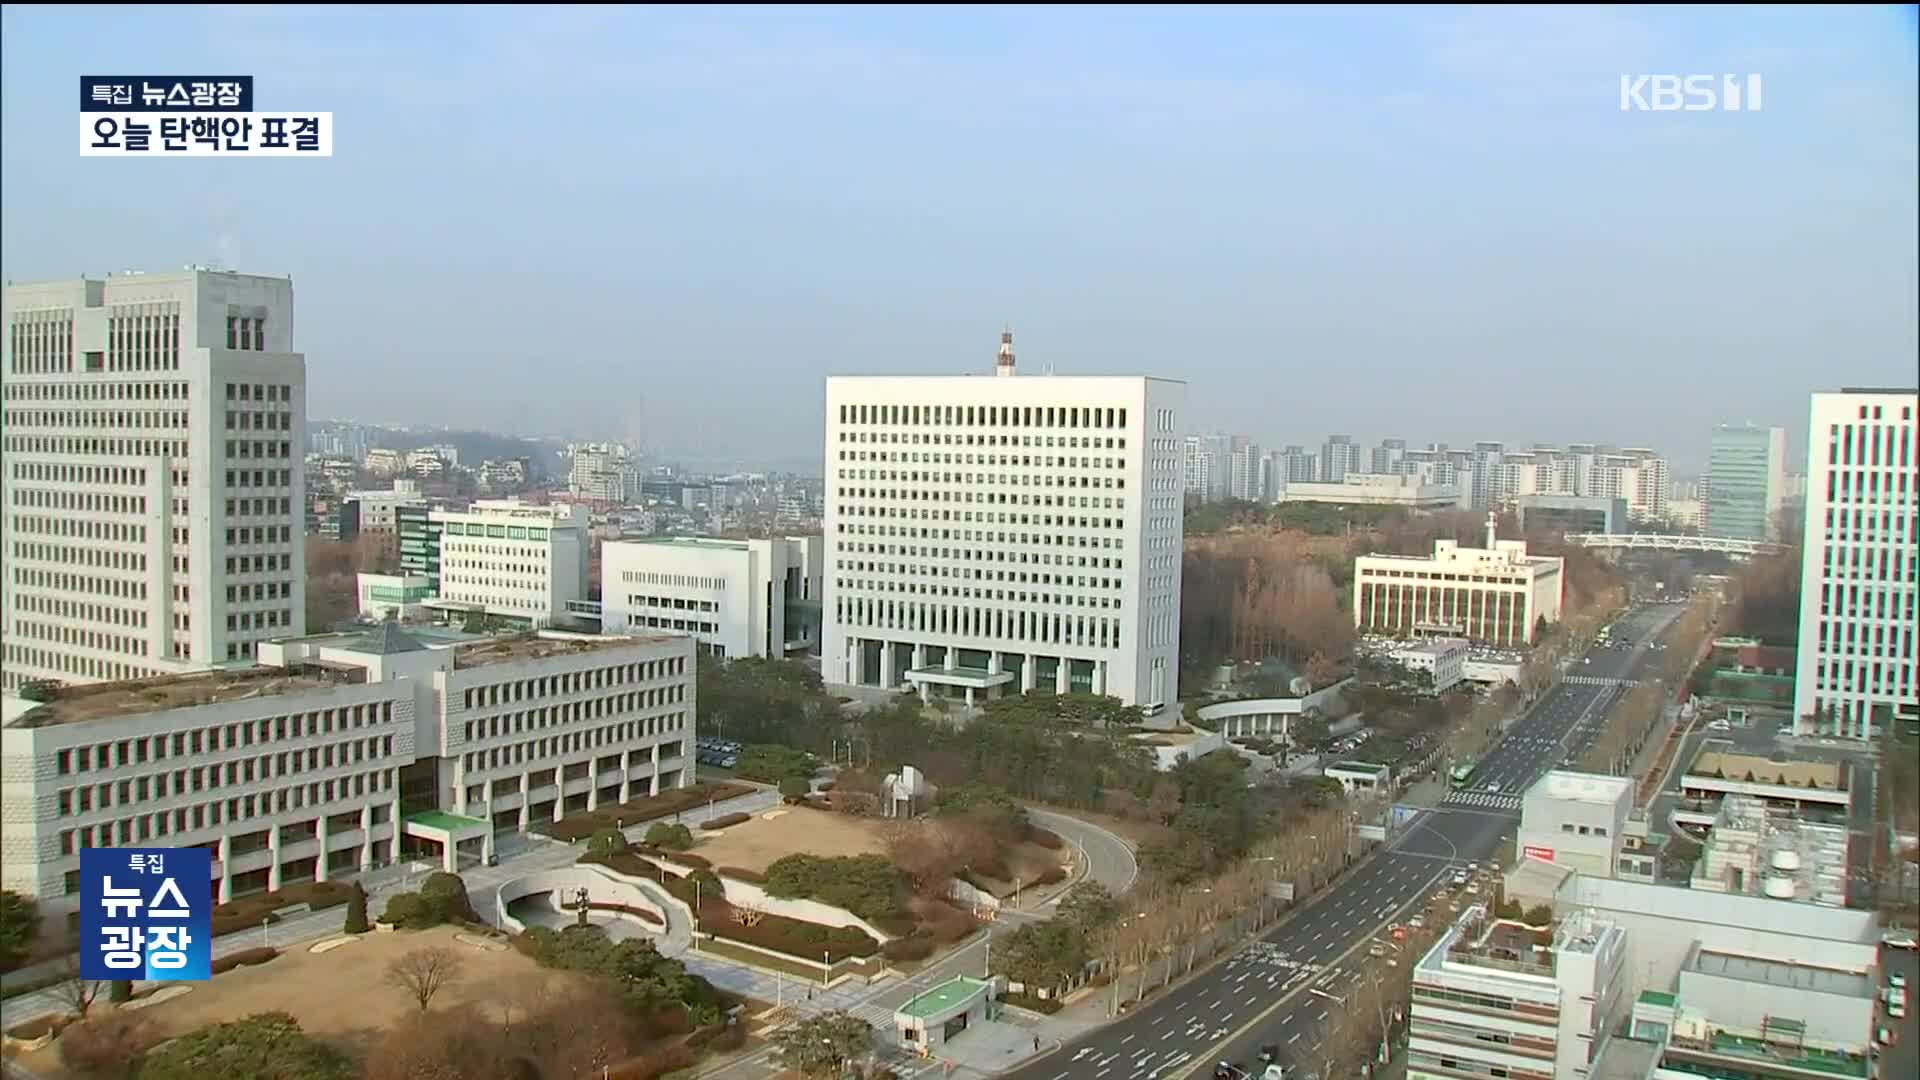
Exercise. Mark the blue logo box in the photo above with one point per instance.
(146, 913)
(166, 93)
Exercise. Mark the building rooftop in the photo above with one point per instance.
(1569, 786)
(1435, 648)
(1367, 767)
(131, 697)
(686, 541)
(1626, 1059)
(1760, 770)
(544, 644)
(1478, 940)
(942, 998)
(1780, 973)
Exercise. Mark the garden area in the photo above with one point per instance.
(581, 825)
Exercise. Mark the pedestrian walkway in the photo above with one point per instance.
(1595, 680)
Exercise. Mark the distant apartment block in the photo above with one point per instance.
(340, 753)
(1367, 489)
(154, 429)
(736, 597)
(1860, 566)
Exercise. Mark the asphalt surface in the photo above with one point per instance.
(1281, 988)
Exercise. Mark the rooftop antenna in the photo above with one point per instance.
(1003, 364)
(1492, 529)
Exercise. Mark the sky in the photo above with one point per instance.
(669, 225)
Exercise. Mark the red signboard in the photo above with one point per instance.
(1544, 854)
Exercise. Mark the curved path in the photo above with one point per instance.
(1108, 858)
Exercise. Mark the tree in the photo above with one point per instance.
(793, 789)
(108, 1045)
(1321, 670)
(1310, 732)
(1043, 955)
(120, 991)
(423, 973)
(19, 927)
(670, 836)
(920, 851)
(1540, 915)
(356, 922)
(607, 843)
(77, 993)
(264, 1046)
(1089, 905)
(447, 895)
(408, 911)
(819, 1045)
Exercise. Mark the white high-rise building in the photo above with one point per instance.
(514, 562)
(1243, 469)
(154, 493)
(1860, 558)
(1003, 534)
(736, 597)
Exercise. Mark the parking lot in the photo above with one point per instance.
(719, 753)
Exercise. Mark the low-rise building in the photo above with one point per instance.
(1756, 852)
(378, 509)
(393, 596)
(1496, 997)
(1496, 595)
(1441, 660)
(1576, 820)
(1362, 777)
(737, 597)
(927, 1022)
(339, 753)
(514, 563)
(1385, 489)
(1572, 514)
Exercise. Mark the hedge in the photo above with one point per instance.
(741, 873)
(917, 947)
(580, 826)
(947, 925)
(723, 821)
(793, 937)
(246, 912)
(259, 954)
(1046, 838)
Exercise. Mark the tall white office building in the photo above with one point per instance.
(996, 535)
(1859, 560)
(154, 493)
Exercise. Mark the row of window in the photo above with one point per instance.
(1005, 416)
(260, 534)
(105, 559)
(1036, 627)
(681, 581)
(1418, 1060)
(80, 583)
(1525, 1010)
(1519, 1043)
(546, 686)
(123, 476)
(63, 662)
(252, 564)
(42, 341)
(260, 620)
(81, 528)
(88, 501)
(247, 334)
(1870, 444)
(80, 639)
(668, 622)
(103, 614)
(676, 603)
(86, 799)
(27, 444)
(258, 507)
(97, 418)
(216, 738)
(96, 391)
(530, 750)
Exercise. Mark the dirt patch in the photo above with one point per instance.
(752, 845)
(340, 995)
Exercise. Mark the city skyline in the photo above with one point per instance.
(1254, 230)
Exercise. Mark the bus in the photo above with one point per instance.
(1460, 774)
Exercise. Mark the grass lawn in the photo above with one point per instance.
(339, 995)
(752, 845)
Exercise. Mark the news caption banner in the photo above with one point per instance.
(146, 913)
(192, 116)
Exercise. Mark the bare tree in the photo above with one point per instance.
(423, 973)
(108, 1044)
(77, 993)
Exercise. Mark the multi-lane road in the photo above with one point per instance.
(1279, 989)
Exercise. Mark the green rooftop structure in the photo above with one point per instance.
(931, 1019)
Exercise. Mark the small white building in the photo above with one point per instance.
(927, 1022)
(513, 562)
(399, 596)
(1363, 777)
(737, 597)
(1384, 489)
(1442, 659)
(377, 508)
(1577, 820)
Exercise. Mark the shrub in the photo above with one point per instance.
(447, 894)
(409, 912)
(356, 922)
(108, 1044)
(1046, 838)
(775, 764)
(709, 882)
(916, 947)
(671, 837)
(724, 821)
(607, 842)
(795, 788)
(867, 885)
(259, 954)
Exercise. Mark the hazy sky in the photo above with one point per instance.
(670, 225)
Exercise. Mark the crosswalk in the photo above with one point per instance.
(1596, 680)
(1484, 800)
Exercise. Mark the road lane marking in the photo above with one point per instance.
(1126, 1040)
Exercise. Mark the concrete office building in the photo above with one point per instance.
(392, 596)
(995, 535)
(380, 510)
(1494, 595)
(1488, 1000)
(1366, 489)
(297, 769)
(515, 563)
(736, 597)
(1572, 514)
(1859, 662)
(1576, 820)
(154, 485)
(1747, 470)
(1442, 660)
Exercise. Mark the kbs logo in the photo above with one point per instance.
(1689, 93)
